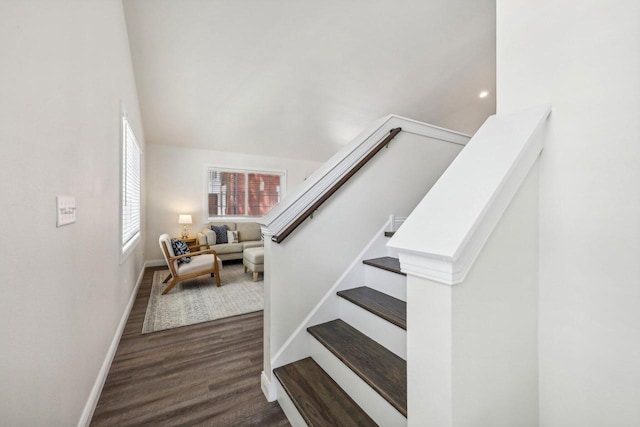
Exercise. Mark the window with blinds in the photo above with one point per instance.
(131, 170)
(242, 192)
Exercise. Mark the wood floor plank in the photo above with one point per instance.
(206, 374)
(384, 371)
(386, 263)
(319, 400)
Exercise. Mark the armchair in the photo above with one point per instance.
(202, 262)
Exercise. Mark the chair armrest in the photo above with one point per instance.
(173, 258)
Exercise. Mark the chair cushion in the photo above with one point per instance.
(228, 248)
(198, 263)
(180, 248)
(248, 231)
(166, 239)
(221, 233)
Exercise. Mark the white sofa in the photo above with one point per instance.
(249, 236)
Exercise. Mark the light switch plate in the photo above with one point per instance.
(66, 210)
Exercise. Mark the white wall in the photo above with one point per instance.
(176, 184)
(583, 58)
(66, 68)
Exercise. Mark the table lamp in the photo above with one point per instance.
(184, 220)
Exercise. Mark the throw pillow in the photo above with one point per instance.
(232, 236)
(181, 248)
(221, 233)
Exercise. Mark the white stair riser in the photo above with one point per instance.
(387, 282)
(288, 407)
(383, 332)
(392, 252)
(367, 398)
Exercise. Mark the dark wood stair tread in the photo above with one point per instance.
(389, 233)
(320, 401)
(386, 263)
(384, 371)
(385, 306)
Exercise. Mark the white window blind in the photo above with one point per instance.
(242, 192)
(131, 161)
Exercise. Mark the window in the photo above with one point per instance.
(242, 192)
(131, 170)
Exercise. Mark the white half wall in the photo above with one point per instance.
(300, 270)
(176, 184)
(66, 74)
(472, 347)
(583, 58)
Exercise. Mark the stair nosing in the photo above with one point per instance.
(281, 371)
(372, 263)
(401, 323)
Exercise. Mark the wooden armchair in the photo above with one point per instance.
(202, 262)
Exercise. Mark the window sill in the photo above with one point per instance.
(129, 247)
(234, 218)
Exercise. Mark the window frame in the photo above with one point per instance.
(246, 171)
(126, 247)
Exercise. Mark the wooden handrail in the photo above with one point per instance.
(311, 209)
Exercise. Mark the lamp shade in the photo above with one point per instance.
(185, 219)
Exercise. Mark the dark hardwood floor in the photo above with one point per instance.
(200, 375)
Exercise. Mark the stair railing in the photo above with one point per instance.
(278, 238)
(285, 218)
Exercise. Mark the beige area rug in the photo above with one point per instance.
(200, 300)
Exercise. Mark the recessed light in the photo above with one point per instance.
(483, 94)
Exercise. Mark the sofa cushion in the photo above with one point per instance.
(252, 244)
(248, 231)
(221, 233)
(228, 248)
(254, 255)
(207, 237)
(180, 248)
(230, 225)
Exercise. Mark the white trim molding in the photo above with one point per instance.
(268, 388)
(445, 233)
(342, 162)
(92, 401)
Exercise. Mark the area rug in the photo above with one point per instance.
(200, 300)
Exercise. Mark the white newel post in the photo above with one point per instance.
(267, 380)
(470, 252)
(472, 347)
(429, 353)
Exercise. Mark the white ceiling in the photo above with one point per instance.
(299, 79)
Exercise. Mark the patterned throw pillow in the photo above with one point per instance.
(181, 248)
(221, 233)
(232, 236)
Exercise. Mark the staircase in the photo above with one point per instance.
(357, 372)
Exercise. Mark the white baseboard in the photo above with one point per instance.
(155, 263)
(268, 388)
(92, 401)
